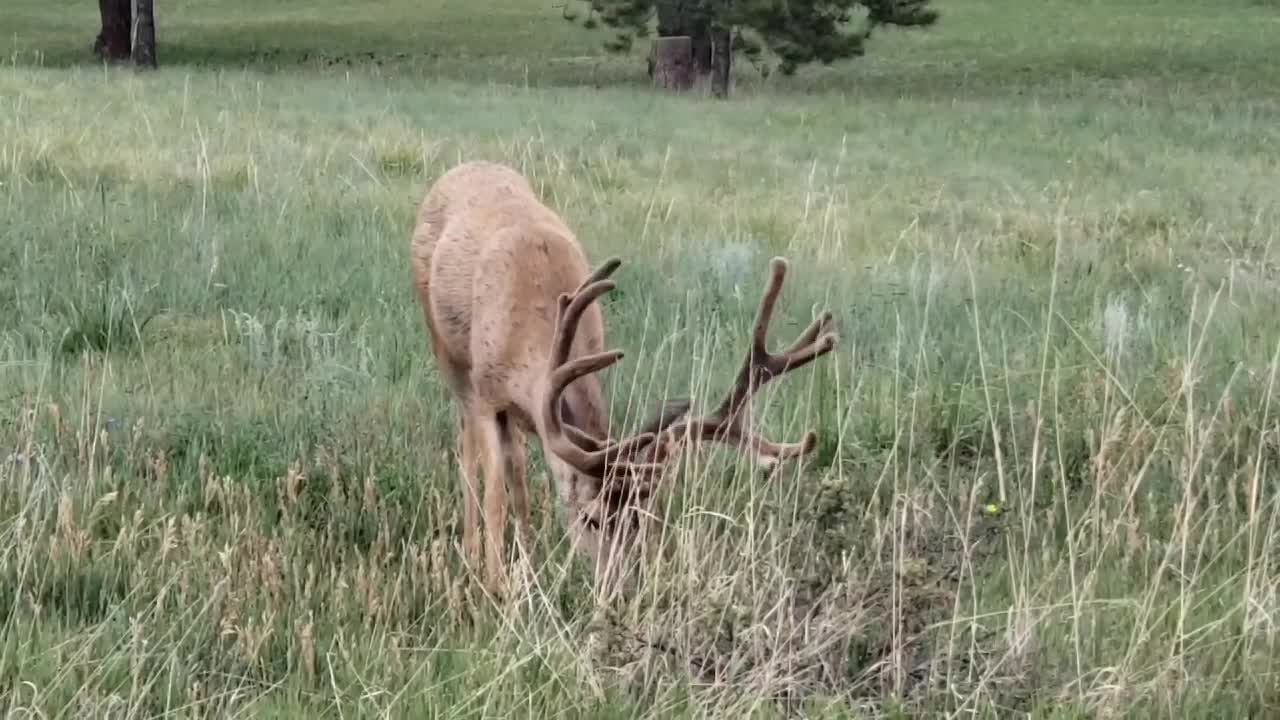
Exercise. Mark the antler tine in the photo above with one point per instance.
(569, 312)
(764, 316)
(822, 323)
(801, 353)
(762, 366)
(568, 372)
(806, 347)
(606, 269)
(581, 439)
(571, 306)
(588, 454)
(769, 453)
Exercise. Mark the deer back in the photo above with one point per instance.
(489, 261)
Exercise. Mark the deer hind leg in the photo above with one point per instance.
(487, 435)
(469, 458)
(518, 480)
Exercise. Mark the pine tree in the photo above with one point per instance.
(795, 32)
(128, 31)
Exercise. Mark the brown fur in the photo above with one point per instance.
(494, 270)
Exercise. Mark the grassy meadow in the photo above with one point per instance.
(1046, 481)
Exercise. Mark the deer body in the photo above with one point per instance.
(489, 262)
(509, 301)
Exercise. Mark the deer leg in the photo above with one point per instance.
(518, 478)
(488, 437)
(470, 472)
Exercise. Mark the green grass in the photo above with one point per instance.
(1047, 233)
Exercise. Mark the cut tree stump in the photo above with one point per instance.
(673, 63)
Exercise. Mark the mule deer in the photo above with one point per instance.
(509, 301)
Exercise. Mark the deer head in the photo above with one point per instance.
(618, 477)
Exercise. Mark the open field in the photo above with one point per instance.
(1046, 484)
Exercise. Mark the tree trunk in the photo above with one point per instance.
(700, 40)
(113, 41)
(673, 63)
(144, 37)
(721, 61)
(688, 17)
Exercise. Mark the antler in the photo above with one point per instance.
(592, 456)
(725, 424)
(599, 457)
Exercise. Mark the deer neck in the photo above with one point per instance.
(583, 405)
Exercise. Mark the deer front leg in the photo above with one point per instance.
(488, 437)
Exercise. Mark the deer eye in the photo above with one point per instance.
(591, 522)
